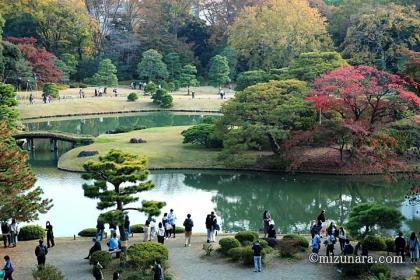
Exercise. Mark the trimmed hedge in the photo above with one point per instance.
(87, 232)
(302, 241)
(142, 255)
(31, 232)
(380, 268)
(138, 228)
(48, 272)
(390, 244)
(287, 248)
(132, 97)
(228, 243)
(244, 254)
(103, 257)
(243, 236)
(374, 243)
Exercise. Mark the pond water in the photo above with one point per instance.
(238, 198)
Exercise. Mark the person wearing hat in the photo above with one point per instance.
(96, 247)
(41, 252)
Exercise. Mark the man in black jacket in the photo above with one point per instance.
(96, 247)
(400, 246)
(188, 225)
(41, 252)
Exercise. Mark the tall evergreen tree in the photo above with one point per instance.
(8, 113)
(188, 76)
(151, 67)
(118, 177)
(219, 70)
(106, 75)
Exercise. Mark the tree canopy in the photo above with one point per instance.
(106, 75)
(269, 36)
(152, 68)
(219, 70)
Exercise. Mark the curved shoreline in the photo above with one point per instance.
(122, 112)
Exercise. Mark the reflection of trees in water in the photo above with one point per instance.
(294, 201)
(97, 126)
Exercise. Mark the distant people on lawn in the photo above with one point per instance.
(266, 221)
(50, 234)
(257, 248)
(188, 226)
(172, 221)
(41, 252)
(413, 247)
(8, 268)
(31, 99)
(96, 247)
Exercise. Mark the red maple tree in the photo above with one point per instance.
(40, 59)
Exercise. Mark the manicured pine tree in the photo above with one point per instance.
(188, 76)
(219, 70)
(118, 176)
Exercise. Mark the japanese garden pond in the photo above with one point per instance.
(238, 198)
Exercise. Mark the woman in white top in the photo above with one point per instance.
(161, 234)
(146, 231)
(14, 231)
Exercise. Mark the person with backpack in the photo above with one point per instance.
(400, 246)
(188, 225)
(41, 252)
(14, 231)
(8, 268)
(50, 235)
(348, 248)
(157, 271)
(5, 232)
(97, 271)
(413, 247)
(209, 227)
(257, 248)
(316, 243)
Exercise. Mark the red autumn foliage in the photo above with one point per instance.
(362, 94)
(40, 59)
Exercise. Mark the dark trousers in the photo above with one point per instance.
(173, 229)
(41, 260)
(342, 241)
(8, 276)
(400, 252)
(330, 249)
(6, 240)
(161, 239)
(50, 240)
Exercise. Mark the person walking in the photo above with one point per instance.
(266, 221)
(329, 242)
(5, 233)
(161, 234)
(127, 226)
(413, 247)
(8, 268)
(341, 238)
(172, 221)
(257, 248)
(14, 231)
(400, 246)
(332, 230)
(316, 243)
(41, 252)
(100, 228)
(164, 223)
(31, 99)
(193, 94)
(188, 225)
(50, 235)
(209, 227)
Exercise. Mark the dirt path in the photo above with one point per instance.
(185, 263)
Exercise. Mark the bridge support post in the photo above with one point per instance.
(30, 144)
(53, 145)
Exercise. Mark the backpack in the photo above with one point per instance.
(42, 252)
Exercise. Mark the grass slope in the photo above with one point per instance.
(164, 149)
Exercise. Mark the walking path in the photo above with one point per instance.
(185, 263)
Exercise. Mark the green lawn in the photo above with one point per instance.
(164, 149)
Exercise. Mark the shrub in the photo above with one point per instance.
(50, 89)
(202, 134)
(73, 85)
(228, 243)
(82, 85)
(390, 244)
(88, 232)
(302, 241)
(380, 268)
(143, 255)
(179, 230)
(31, 232)
(288, 248)
(124, 129)
(48, 272)
(132, 97)
(352, 270)
(150, 88)
(172, 87)
(208, 249)
(137, 228)
(243, 236)
(162, 98)
(249, 78)
(374, 243)
(103, 257)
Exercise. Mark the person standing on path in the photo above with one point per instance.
(172, 221)
(146, 231)
(209, 227)
(164, 223)
(257, 248)
(5, 233)
(14, 231)
(188, 225)
(100, 228)
(400, 246)
(161, 234)
(31, 99)
(266, 221)
(413, 247)
(8, 268)
(329, 242)
(50, 235)
(41, 252)
(316, 243)
(127, 226)
(341, 238)
(215, 226)
(152, 229)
